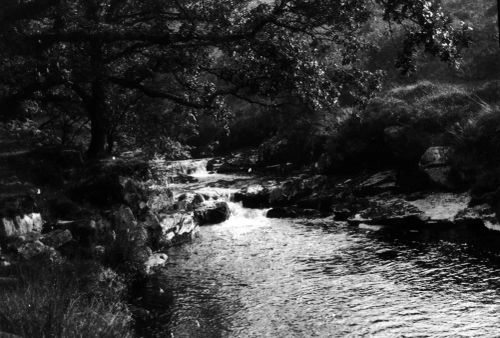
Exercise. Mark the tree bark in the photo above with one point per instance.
(97, 136)
(498, 21)
(110, 142)
(96, 107)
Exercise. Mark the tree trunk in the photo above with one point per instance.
(498, 21)
(96, 106)
(97, 136)
(110, 142)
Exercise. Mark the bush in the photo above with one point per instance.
(64, 300)
(395, 128)
(300, 141)
(477, 148)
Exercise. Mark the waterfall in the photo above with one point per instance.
(195, 167)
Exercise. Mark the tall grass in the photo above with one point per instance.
(64, 300)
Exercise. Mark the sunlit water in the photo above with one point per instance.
(258, 277)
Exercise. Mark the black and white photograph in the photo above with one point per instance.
(249, 168)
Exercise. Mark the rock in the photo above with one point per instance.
(20, 225)
(435, 162)
(212, 213)
(394, 212)
(85, 232)
(292, 212)
(34, 249)
(214, 164)
(189, 201)
(124, 219)
(57, 238)
(174, 229)
(435, 156)
(13, 243)
(155, 261)
(99, 251)
(237, 163)
(282, 212)
(442, 207)
(132, 241)
(378, 183)
(431, 209)
(253, 197)
(342, 213)
(161, 200)
(299, 189)
(479, 215)
(135, 194)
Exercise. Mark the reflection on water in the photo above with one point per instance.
(279, 278)
(258, 277)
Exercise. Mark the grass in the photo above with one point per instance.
(396, 127)
(64, 300)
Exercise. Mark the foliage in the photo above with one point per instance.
(301, 142)
(395, 128)
(102, 60)
(476, 141)
(64, 300)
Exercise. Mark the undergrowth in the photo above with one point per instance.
(64, 300)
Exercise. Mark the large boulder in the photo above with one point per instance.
(442, 207)
(155, 262)
(212, 213)
(391, 212)
(132, 241)
(428, 210)
(161, 199)
(385, 181)
(297, 189)
(255, 196)
(86, 231)
(189, 201)
(435, 162)
(20, 225)
(172, 229)
(479, 215)
(56, 238)
(30, 250)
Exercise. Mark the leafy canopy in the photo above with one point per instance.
(103, 59)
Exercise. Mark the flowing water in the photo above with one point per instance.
(258, 277)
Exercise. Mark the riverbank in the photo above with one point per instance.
(78, 241)
(107, 228)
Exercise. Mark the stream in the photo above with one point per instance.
(257, 277)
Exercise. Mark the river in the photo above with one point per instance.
(257, 277)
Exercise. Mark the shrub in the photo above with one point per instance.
(477, 148)
(395, 128)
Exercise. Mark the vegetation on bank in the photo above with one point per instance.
(64, 299)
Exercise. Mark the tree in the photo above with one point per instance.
(90, 56)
